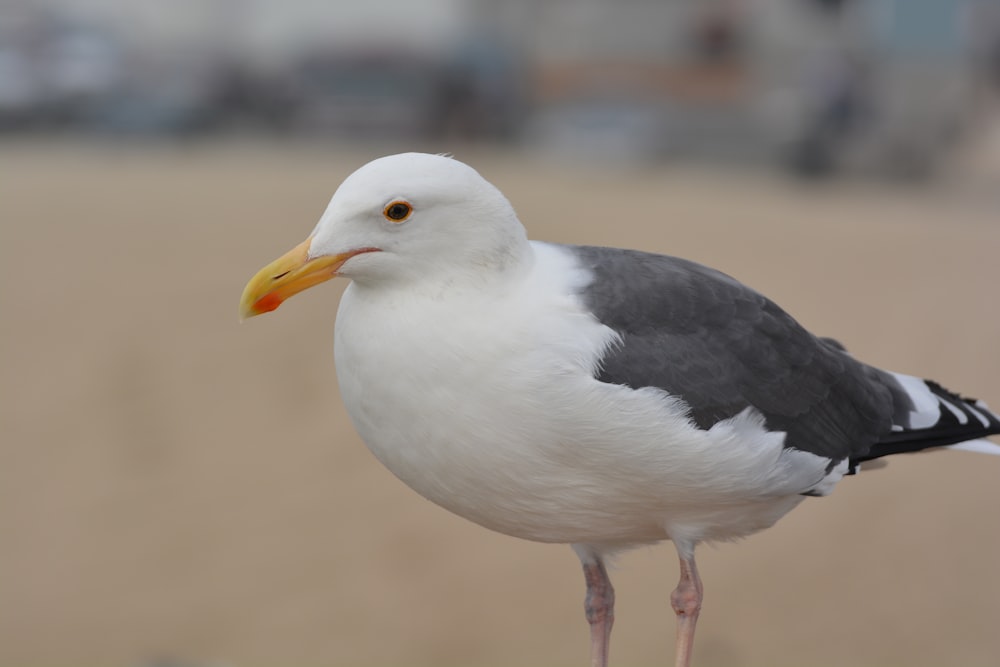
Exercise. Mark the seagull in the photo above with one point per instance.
(599, 397)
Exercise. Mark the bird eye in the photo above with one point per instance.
(397, 211)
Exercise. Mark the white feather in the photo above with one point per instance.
(926, 408)
(978, 446)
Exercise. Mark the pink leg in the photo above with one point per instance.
(600, 607)
(686, 601)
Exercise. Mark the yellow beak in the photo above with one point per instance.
(288, 275)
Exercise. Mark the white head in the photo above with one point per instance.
(401, 219)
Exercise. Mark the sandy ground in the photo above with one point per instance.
(173, 483)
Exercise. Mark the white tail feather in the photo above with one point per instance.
(978, 446)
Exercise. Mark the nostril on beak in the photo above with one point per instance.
(280, 275)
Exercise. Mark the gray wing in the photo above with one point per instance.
(720, 346)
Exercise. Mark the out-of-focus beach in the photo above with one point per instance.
(176, 485)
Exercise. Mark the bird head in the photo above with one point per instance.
(401, 220)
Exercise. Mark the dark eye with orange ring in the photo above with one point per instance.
(397, 211)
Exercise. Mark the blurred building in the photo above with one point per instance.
(816, 84)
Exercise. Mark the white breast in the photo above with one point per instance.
(486, 403)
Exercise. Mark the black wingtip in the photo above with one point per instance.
(960, 419)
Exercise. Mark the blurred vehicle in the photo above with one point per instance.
(161, 97)
(20, 91)
(366, 95)
(53, 70)
(470, 92)
(81, 66)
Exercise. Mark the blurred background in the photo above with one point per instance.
(177, 489)
(811, 85)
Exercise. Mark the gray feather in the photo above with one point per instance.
(720, 346)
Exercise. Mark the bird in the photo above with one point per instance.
(600, 397)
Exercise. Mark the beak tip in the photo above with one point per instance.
(246, 312)
(284, 277)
